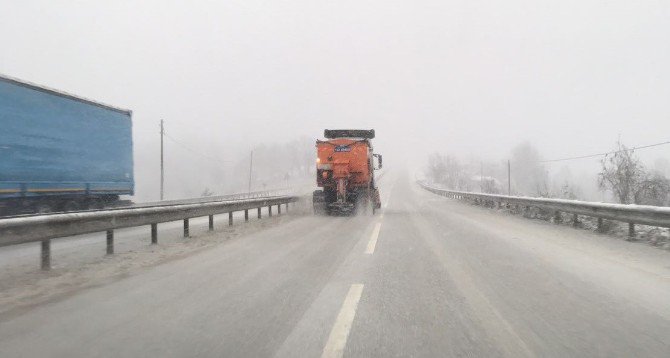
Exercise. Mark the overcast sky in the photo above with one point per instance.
(469, 77)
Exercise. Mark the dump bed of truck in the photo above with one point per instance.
(343, 154)
(53, 143)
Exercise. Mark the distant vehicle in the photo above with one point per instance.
(60, 152)
(345, 170)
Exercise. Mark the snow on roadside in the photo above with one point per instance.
(21, 289)
(653, 235)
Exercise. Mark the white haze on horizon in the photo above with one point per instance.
(462, 77)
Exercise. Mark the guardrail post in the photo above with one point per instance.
(575, 220)
(259, 213)
(154, 234)
(631, 231)
(45, 255)
(211, 223)
(278, 209)
(600, 225)
(270, 210)
(246, 215)
(230, 218)
(287, 208)
(110, 242)
(185, 227)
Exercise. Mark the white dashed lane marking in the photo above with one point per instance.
(373, 239)
(340, 333)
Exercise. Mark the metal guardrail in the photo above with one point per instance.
(631, 214)
(44, 228)
(205, 199)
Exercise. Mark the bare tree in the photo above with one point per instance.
(448, 171)
(622, 173)
(207, 192)
(568, 191)
(456, 177)
(489, 185)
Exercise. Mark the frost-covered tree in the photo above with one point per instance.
(456, 177)
(654, 189)
(622, 173)
(625, 175)
(447, 170)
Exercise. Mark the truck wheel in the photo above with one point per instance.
(319, 202)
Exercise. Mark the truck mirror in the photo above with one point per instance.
(379, 160)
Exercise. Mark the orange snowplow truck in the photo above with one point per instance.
(345, 166)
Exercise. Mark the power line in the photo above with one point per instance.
(221, 162)
(605, 153)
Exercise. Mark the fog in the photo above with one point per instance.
(470, 78)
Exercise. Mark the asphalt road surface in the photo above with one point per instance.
(428, 277)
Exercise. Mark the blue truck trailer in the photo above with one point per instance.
(60, 152)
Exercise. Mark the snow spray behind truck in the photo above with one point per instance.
(60, 152)
(345, 170)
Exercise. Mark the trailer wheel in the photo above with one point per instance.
(365, 205)
(96, 204)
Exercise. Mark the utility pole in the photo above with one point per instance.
(162, 167)
(509, 179)
(251, 166)
(481, 177)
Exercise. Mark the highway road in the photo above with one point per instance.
(428, 277)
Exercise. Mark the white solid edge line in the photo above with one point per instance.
(373, 240)
(337, 340)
